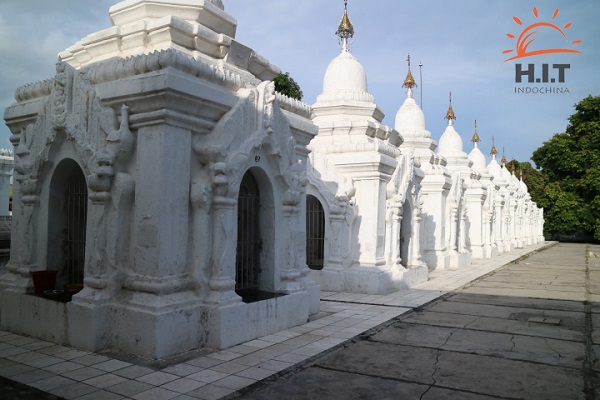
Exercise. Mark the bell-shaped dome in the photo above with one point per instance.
(345, 73)
(476, 155)
(524, 186)
(410, 116)
(478, 159)
(495, 169)
(451, 143)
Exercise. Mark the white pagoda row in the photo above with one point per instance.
(159, 172)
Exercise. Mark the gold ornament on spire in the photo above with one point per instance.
(475, 135)
(494, 151)
(345, 29)
(409, 82)
(450, 114)
(503, 155)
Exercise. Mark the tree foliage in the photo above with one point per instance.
(286, 85)
(570, 163)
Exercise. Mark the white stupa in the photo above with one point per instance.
(476, 156)
(345, 90)
(451, 144)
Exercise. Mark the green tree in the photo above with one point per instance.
(570, 162)
(286, 85)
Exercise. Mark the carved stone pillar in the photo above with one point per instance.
(395, 231)
(221, 282)
(416, 239)
(161, 218)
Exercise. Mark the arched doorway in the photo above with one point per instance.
(405, 234)
(315, 233)
(248, 268)
(67, 223)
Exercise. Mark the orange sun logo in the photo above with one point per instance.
(526, 38)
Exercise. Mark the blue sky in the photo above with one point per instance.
(459, 42)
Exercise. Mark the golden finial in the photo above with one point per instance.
(345, 29)
(475, 139)
(494, 151)
(503, 155)
(513, 169)
(521, 173)
(450, 114)
(409, 82)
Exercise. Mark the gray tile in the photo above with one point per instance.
(256, 373)
(83, 374)
(43, 361)
(71, 354)
(73, 391)
(226, 355)
(62, 367)
(38, 345)
(31, 376)
(133, 372)
(100, 395)
(156, 394)
(104, 381)
(6, 363)
(157, 378)
(208, 376)
(210, 392)
(15, 369)
(229, 367)
(182, 369)
(204, 362)
(234, 382)
(54, 350)
(27, 356)
(90, 359)
(129, 388)
(183, 385)
(51, 383)
(112, 365)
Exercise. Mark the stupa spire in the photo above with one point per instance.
(345, 29)
(450, 116)
(503, 160)
(475, 139)
(409, 82)
(494, 151)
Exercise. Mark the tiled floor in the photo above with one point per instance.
(80, 375)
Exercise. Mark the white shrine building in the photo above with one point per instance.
(197, 207)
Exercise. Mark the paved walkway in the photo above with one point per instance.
(321, 357)
(528, 331)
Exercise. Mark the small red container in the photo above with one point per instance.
(43, 280)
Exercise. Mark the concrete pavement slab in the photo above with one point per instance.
(496, 376)
(309, 384)
(542, 304)
(415, 364)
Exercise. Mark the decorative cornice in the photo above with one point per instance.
(293, 105)
(34, 90)
(137, 65)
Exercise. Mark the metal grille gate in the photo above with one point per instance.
(248, 243)
(76, 218)
(315, 233)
